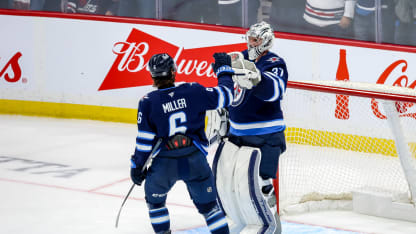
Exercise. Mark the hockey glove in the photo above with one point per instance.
(137, 174)
(222, 64)
(246, 73)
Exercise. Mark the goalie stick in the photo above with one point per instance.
(146, 164)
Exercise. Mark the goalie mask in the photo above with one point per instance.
(264, 33)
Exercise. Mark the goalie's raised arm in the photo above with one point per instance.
(274, 82)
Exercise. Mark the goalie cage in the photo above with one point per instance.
(350, 146)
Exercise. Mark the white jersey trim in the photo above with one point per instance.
(266, 124)
(220, 97)
(143, 148)
(275, 87)
(230, 95)
(146, 135)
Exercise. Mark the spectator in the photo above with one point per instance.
(99, 7)
(365, 21)
(198, 11)
(264, 10)
(231, 12)
(329, 17)
(21, 4)
(405, 33)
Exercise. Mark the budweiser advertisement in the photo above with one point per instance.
(130, 66)
(104, 63)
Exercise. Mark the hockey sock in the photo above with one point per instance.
(159, 217)
(214, 217)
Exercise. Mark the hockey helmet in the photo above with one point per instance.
(261, 31)
(161, 66)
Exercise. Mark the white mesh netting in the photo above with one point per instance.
(337, 144)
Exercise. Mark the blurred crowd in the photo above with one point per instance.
(381, 21)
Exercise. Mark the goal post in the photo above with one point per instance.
(347, 140)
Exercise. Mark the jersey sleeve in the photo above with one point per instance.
(349, 8)
(217, 97)
(146, 135)
(273, 83)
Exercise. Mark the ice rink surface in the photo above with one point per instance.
(70, 177)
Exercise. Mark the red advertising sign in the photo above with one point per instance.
(130, 67)
(13, 64)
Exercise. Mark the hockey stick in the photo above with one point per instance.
(146, 164)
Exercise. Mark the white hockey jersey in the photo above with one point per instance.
(327, 12)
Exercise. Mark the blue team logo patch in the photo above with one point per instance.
(238, 95)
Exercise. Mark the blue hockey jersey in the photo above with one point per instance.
(366, 7)
(165, 112)
(257, 111)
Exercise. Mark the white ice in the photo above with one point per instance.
(70, 176)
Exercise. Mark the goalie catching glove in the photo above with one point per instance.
(246, 73)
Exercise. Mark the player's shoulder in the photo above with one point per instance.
(147, 97)
(190, 85)
(270, 61)
(273, 59)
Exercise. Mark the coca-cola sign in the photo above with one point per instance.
(402, 81)
(11, 71)
(130, 66)
(342, 101)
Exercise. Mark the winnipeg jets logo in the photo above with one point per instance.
(238, 95)
(273, 59)
(171, 94)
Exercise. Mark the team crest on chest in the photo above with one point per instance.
(238, 95)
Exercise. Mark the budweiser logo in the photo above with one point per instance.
(130, 66)
(12, 71)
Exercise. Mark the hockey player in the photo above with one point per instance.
(246, 163)
(176, 114)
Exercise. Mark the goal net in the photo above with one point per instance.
(343, 138)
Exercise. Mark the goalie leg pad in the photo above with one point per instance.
(254, 207)
(223, 169)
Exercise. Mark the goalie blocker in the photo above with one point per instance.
(236, 171)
